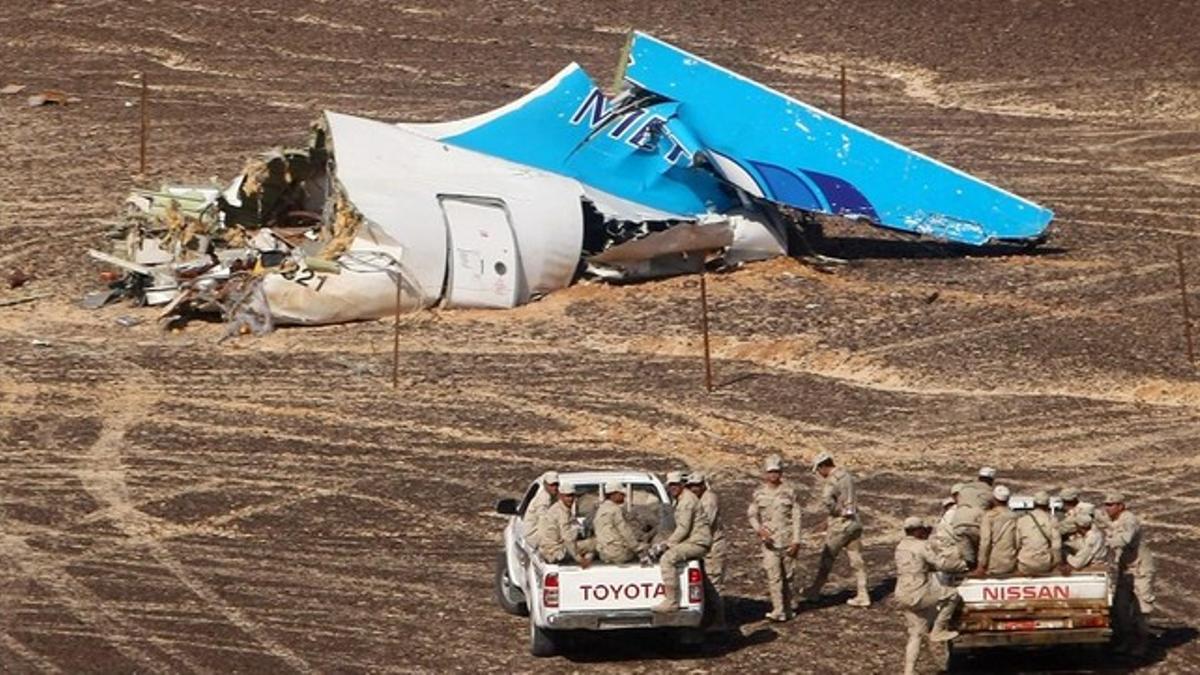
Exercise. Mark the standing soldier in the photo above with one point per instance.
(558, 534)
(545, 496)
(926, 603)
(714, 562)
(774, 514)
(616, 542)
(1039, 543)
(978, 493)
(1134, 597)
(843, 530)
(690, 540)
(998, 537)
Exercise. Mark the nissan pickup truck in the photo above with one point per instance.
(566, 597)
(1017, 611)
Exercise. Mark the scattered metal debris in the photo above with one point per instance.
(10, 89)
(126, 321)
(50, 97)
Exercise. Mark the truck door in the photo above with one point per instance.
(482, 263)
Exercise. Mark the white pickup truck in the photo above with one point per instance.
(1035, 611)
(558, 598)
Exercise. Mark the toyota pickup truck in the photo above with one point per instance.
(559, 598)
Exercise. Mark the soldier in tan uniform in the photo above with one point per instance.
(690, 540)
(944, 542)
(1134, 597)
(774, 514)
(616, 542)
(714, 562)
(997, 537)
(1072, 507)
(558, 534)
(964, 525)
(843, 530)
(927, 605)
(1039, 543)
(978, 493)
(1089, 548)
(545, 496)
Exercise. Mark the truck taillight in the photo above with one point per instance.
(550, 590)
(695, 585)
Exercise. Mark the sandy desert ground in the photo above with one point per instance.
(273, 505)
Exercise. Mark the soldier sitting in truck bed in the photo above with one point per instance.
(558, 535)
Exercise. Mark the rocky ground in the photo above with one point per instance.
(174, 504)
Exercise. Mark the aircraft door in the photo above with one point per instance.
(482, 262)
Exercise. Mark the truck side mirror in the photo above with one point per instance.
(507, 507)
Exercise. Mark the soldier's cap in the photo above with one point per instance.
(613, 486)
(1069, 495)
(566, 488)
(1083, 519)
(1041, 498)
(1114, 498)
(675, 477)
(696, 478)
(987, 472)
(948, 501)
(773, 463)
(956, 488)
(913, 523)
(550, 477)
(821, 459)
(1001, 493)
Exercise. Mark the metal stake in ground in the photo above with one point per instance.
(145, 127)
(1187, 314)
(704, 325)
(843, 92)
(396, 332)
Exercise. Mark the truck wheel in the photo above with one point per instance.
(508, 596)
(689, 639)
(542, 642)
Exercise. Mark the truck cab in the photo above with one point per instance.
(561, 597)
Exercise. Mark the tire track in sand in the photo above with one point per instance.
(103, 477)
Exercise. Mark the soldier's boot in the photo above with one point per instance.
(813, 592)
(941, 625)
(670, 601)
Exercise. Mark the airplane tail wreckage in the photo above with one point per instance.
(688, 162)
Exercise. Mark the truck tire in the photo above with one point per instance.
(542, 642)
(689, 640)
(508, 596)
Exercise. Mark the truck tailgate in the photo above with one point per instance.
(612, 587)
(1022, 592)
(1034, 611)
